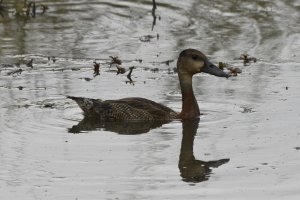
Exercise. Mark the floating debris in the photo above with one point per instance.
(139, 60)
(247, 109)
(87, 79)
(29, 64)
(155, 70)
(26, 9)
(129, 76)
(233, 71)
(169, 71)
(115, 60)
(146, 38)
(175, 70)
(297, 148)
(20, 87)
(223, 65)
(49, 105)
(52, 58)
(18, 72)
(247, 59)
(96, 69)
(168, 62)
(6, 65)
(153, 14)
(286, 88)
(75, 69)
(121, 70)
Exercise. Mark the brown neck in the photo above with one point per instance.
(190, 109)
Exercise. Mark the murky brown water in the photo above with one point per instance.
(252, 119)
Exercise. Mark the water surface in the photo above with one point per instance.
(246, 145)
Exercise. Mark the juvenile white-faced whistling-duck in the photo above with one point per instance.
(190, 62)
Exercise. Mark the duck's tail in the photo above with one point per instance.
(86, 104)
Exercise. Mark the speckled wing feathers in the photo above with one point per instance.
(125, 109)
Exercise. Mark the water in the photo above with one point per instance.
(249, 127)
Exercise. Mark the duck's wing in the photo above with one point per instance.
(142, 103)
(125, 109)
(156, 110)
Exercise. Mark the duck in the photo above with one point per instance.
(189, 63)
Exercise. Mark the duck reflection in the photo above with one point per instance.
(120, 127)
(192, 170)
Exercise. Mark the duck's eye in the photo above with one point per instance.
(194, 57)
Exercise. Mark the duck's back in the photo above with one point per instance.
(126, 109)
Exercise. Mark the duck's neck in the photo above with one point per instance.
(190, 109)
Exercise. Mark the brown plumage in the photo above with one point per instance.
(125, 109)
(190, 62)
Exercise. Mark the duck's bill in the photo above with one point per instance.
(214, 70)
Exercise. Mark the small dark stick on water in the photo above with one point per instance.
(153, 14)
(18, 71)
(96, 69)
(29, 64)
(129, 75)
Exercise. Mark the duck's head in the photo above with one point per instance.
(192, 61)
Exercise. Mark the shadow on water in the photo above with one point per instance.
(191, 169)
(124, 128)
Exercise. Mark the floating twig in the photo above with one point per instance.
(114, 60)
(18, 72)
(247, 59)
(20, 87)
(153, 14)
(121, 70)
(155, 70)
(146, 38)
(129, 76)
(96, 69)
(52, 58)
(233, 71)
(29, 64)
(168, 62)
